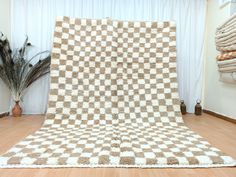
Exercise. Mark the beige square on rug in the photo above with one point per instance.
(114, 102)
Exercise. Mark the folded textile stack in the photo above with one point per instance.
(227, 65)
(226, 44)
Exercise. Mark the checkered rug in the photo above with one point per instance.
(113, 102)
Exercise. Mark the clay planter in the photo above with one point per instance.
(17, 111)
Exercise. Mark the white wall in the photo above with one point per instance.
(219, 97)
(5, 28)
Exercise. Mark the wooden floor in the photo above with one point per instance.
(220, 133)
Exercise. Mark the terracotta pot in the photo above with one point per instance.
(17, 111)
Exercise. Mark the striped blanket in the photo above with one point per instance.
(227, 65)
(226, 56)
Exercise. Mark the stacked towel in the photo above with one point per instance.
(226, 35)
(226, 43)
(227, 65)
(226, 56)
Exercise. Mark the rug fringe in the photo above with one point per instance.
(120, 166)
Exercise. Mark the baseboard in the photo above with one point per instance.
(229, 119)
(4, 114)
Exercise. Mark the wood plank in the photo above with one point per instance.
(230, 119)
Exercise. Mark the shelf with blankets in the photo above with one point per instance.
(226, 43)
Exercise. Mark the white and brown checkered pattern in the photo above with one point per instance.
(114, 102)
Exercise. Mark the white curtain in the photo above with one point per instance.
(36, 18)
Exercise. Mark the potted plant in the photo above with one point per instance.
(17, 71)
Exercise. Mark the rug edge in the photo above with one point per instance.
(233, 164)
